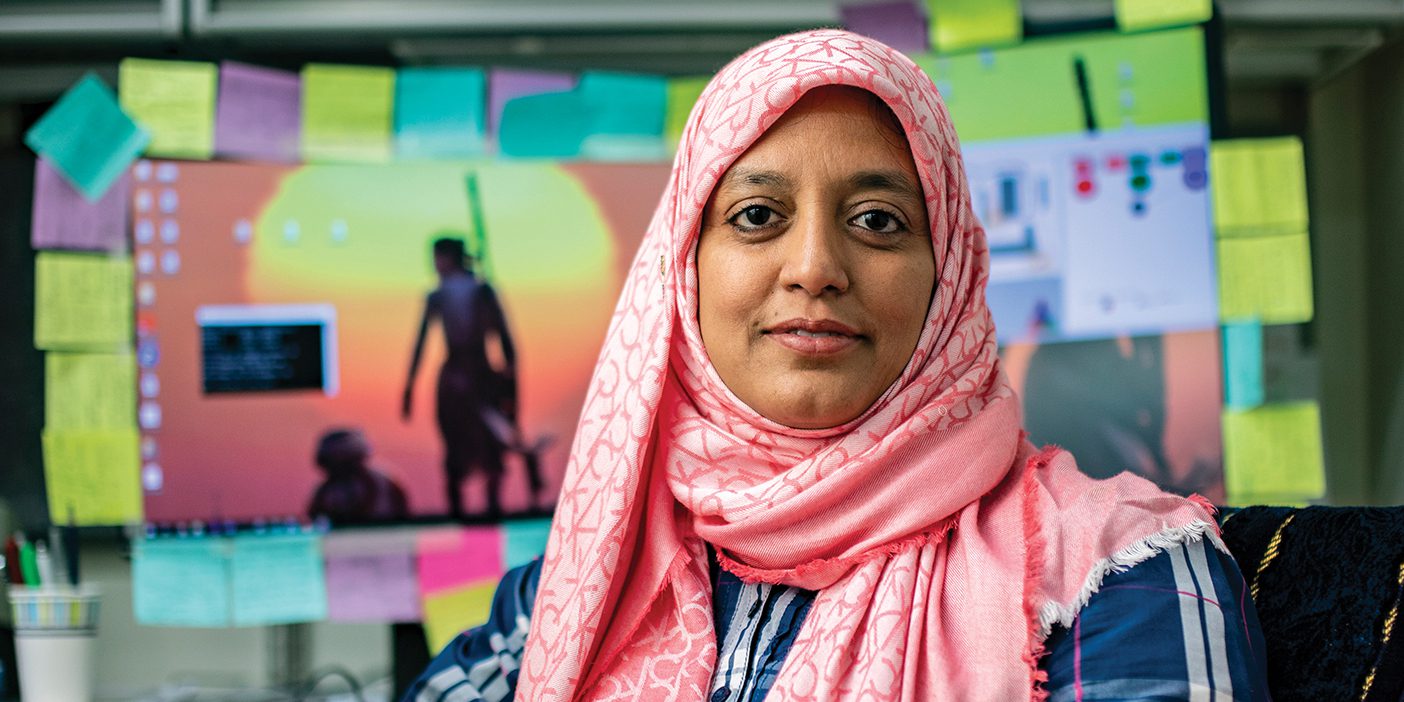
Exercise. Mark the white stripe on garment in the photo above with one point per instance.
(1214, 618)
(436, 686)
(462, 693)
(1190, 626)
(726, 669)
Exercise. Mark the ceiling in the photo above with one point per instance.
(45, 45)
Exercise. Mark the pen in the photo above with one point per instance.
(44, 564)
(70, 547)
(28, 567)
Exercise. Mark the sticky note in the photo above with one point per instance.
(1266, 278)
(277, 579)
(440, 112)
(451, 612)
(505, 85)
(181, 582)
(94, 473)
(1134, 15)
(87, 137)
(64, 219)
(1273, 453)
(89, 390)
(899, 24)
(626, 114)
(1259, 185)
(552, 125)
(682, 95)
(1134, 80)
(523, 541)
(347, 113)
(82, 301)
(971, 24)
(371, 577)
(259, 113)
(1243, 364)
(454, 557)
(174, 101)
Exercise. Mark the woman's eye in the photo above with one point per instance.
(754, 216)
(878, 221)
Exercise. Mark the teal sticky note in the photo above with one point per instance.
(440, 112)
(549, 125)
(1243, 364)
(626, 114)
(88, 137)
(277, 579)
(523, 540)
(180, 582)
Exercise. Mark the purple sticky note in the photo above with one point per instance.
(64, 219)
(505, 84)
(372, 587)
(259, 114)
(899, 24)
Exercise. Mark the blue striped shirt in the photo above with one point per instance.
(1179, 626)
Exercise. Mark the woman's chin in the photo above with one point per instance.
(821, 409)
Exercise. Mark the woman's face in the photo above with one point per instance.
(815, 266)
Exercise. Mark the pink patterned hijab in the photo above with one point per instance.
(943, 545)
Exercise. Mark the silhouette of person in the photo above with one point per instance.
(353, 491)
(470, 390)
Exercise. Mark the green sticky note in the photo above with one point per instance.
(1133, 80)
(1273, 454)
(82, 301)
(1243, 364)
(181, 582)
(175, 101)
(93, 473)
(1135, 15)
(972, 24)
(89, 390)
(524, 540)
(1259, 186)
(548, 125)
(347, 113)
(1266, 278)
(450, 612)
(277, 579)
(626, 114)
(682, 95)
(440, 112)
(88, 137)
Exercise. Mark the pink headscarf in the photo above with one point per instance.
(944, 546)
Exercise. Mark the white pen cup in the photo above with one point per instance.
(55, 633)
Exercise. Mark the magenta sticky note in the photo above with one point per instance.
(259, 113)
(64, 219)
(900, 24)
(505, 84)
(456, 557)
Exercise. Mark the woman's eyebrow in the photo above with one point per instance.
(895, 181)
(751, 176)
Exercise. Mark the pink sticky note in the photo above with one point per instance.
(456, 557)
(900, 24)
(259, 113)
(64, 219)
(505, 84)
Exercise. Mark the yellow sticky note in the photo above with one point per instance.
(347, 113)
(1265, 277)
(89, 391)
(448, 613)
(1259, 186)
(682, 95)
(974, 24)
(174, 100)
(1133, 15)
(82, 301)
(1272, 454)
(95, 473)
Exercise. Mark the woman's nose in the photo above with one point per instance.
(814, 261)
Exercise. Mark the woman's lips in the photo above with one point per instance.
(813, 337)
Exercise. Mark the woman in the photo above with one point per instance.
(800, 472)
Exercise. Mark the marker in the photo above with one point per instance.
(28, 566)
(70, 547)
(44, 564)
(12, 560)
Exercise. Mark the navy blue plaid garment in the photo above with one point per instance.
(1178, 626)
